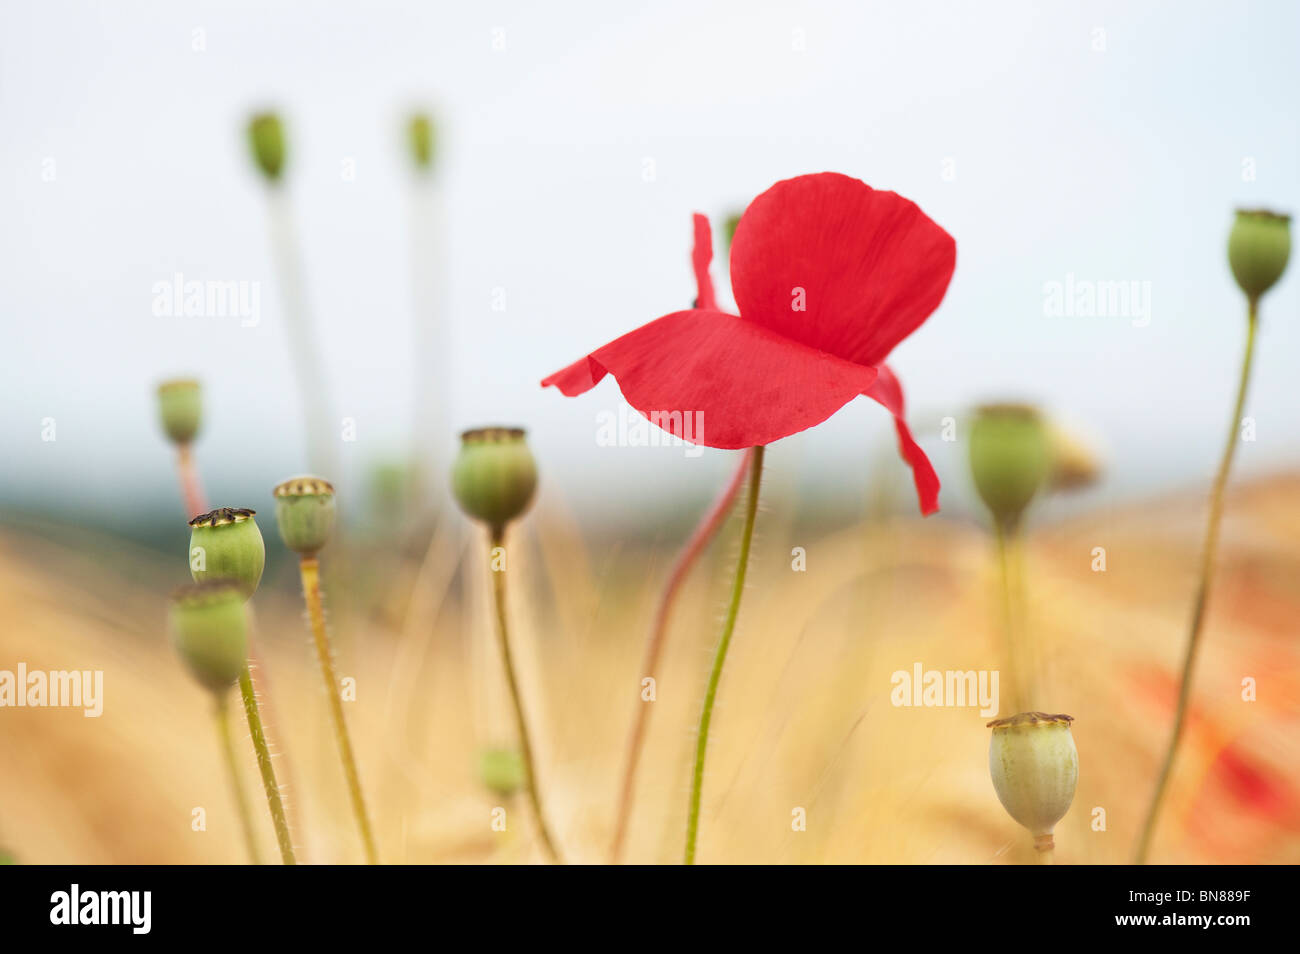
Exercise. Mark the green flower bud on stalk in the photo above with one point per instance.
(180, 405)
(1010, 458)
(494, 476)
(304, 512)
(210, 631)
(1035, 768)
(227, 545)
(421, 136)
(501, 770)
(1259, 246)
(266, 139)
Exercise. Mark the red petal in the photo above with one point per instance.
(871, 265)
(714, 379)
(889, 392)
(701, 256)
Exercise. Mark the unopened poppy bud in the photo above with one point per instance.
(304, 512)
(501, 770)
(227, 545)
(210, 631)
(1258, 248)
(494, 476)
(180, 405)
(1009, 458)
(266, 138)
(1074, 464)
(1035, 768)
(421, 137)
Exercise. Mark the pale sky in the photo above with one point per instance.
(1102, 141)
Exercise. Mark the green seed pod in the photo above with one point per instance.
(1010, 458)
(180, 405)
(494, 476)
(1258, 248)
(1035, 768)
(421, 136)
(210, 631)
(729, 227)
(266, 139)
(227, 545)
(304, 512)
(501, 770)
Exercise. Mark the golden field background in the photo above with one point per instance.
(804, 716)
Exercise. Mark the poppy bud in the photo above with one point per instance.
(501, 770)
(1035, 768)
(210, 631)
(494, 476)
(1258, 248)
(421, 137)
(266, 137)
(1074, 464)
(180, 404)
(227, 545)
(304, 512)
(1009, 457)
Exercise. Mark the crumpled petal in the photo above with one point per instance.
(889, 392)
(844, 268)
(701, 257)
(714, 379)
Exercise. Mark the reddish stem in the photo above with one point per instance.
(704, 532)
(195, 500)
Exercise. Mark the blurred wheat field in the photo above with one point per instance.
(804, 718)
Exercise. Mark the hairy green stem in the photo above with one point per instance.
(1208, 553)
(521, 724)
(222, 714)
(309, 568)
(273, 800)
(720, 658)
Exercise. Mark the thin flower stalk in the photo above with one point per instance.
(720, 657)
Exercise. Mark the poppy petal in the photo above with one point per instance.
(701, 256)
(889, 392)
(844, 268)
(714, 379)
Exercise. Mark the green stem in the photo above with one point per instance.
(728, 627)
(273, 800)
(1208, 552)
(236, 780)
(521, 724)
(1004, 531)
(309, 569)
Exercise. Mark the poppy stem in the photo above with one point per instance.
(309, 568)
(222, 714)
(1208, 553)
(724, 642)
(699, 540)
(521, 724)
(195, 500)
(273, 800)
(1004, 532)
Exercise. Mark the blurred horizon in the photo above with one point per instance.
(1052, 152)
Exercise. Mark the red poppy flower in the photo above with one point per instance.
(829, 275)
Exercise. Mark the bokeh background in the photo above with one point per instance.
(1109, 142)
